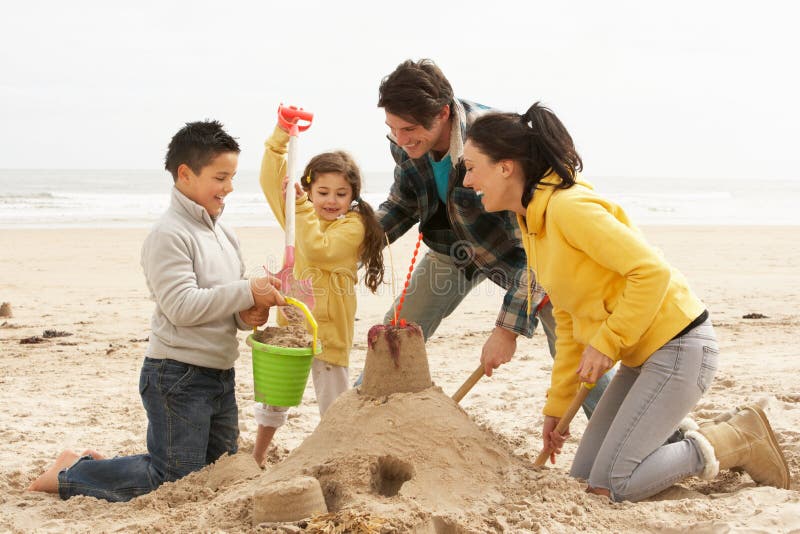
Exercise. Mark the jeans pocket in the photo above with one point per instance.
(173, 375)
(144, 382)
(708, 367)
(667, 358)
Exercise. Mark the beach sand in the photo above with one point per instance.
(80, 391)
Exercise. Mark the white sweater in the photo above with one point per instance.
(195, 273)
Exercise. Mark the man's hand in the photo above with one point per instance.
(254, 316)
(265, 292)
(498, 349)
(593, 365)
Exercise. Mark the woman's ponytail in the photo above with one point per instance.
(536, 139)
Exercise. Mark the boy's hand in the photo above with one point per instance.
(298, 191)
(265, 292)
(254, 316)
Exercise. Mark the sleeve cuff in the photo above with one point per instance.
(241, 325)
(558, 401)
(605, 342)
(279, 136)
(526, 331)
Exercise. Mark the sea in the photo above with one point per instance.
(72, 198)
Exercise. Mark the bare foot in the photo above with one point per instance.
(599, 491)
(48, 481)
(94, 454)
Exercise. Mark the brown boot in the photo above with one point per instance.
(688, 423)
(745, 440)
(724, 416)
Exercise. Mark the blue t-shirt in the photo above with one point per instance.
(441, 175)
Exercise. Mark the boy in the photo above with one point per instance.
(194, 271)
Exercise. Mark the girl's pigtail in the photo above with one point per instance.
(371, 251)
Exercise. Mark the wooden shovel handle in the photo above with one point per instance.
(563, 423)
(466, 386)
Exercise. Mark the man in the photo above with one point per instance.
(467, 245)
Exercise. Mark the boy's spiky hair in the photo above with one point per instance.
(196, 144)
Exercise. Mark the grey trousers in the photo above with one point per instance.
(626, 447)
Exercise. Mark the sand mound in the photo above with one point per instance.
(420, 449)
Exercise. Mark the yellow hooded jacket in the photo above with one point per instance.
(325, 251)
(609, 288)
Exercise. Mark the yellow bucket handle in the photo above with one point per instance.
(311, 321)
(310, 318)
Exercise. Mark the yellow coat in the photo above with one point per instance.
(325, 251)
(609, 288)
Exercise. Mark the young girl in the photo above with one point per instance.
(335, 231)
(614, 299)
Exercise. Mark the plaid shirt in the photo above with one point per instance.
(478, 241)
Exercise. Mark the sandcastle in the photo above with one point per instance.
(395, 446)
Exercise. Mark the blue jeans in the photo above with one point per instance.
(438, 286)
(192, 421)
(626, 447)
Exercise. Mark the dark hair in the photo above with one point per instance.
(371, 250)
(196, 144)
(415, 91)
(537, 139)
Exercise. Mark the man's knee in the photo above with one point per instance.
(387, 319)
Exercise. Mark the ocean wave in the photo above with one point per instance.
(16, 197)
(55, 199)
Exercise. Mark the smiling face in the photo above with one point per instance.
(499, 184)
(210, 187)
(417, 140)
(485, 177)
(331, 195)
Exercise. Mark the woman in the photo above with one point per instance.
(614, 299)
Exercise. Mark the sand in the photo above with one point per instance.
(293, 336)
(80, 391)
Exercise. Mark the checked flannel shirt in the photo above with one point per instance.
(478, 241)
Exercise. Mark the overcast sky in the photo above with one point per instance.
(680, 88)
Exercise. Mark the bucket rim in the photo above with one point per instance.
(283, 351)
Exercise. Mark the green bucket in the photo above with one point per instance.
(280, 374)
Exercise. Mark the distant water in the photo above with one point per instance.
(126, 198)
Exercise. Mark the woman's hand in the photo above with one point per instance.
(298, 191)
(553, 441)
(593, 365)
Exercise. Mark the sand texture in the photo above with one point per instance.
(403, 462)
(290, 336)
